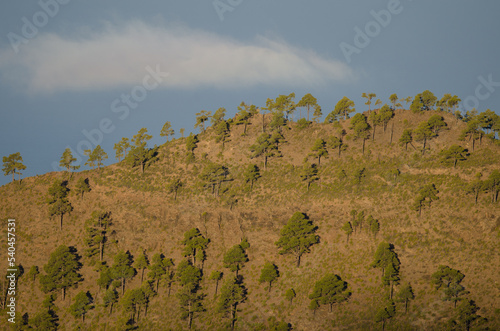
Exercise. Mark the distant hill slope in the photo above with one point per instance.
(147, 215)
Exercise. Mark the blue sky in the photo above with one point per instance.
(74, 73)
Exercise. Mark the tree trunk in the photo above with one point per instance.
(233, 317)
(142, 275)
(216, 287)
(123, 285)
(373, 134)
(61, 221)
(363, 146)
(270, 283)
(406, 306)
(392, 131)
(265, 162)
(101, 246)
(64, 293)
(298, 261)
(142, 167)
(423, 149)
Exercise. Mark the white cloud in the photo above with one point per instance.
(193, 58)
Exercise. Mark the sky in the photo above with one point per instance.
(74, 73)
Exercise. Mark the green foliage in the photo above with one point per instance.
(140, 154)
(385, 114)
(425, 196)
(61, 270)
(309, 174)
(33, 272)
(201, 118)
(166, 130)
(83, 303)
(235, 258)
(331, 289)
(449, 279)
(405, 294)
(384, 257)
(12, 164)
(95, 157)
(122, 268)
(303, 124)
(58, 200)
(246, 112)
(269, 274)
(406, 138)
(194, 245)
(373, 225)
(191, 143)
(264, 147)
(359, 174)
(385, 313)
(121, 148)
(217, 276)
(308, 101)
(343, 108)
(417, 104)
(347, 228)
(141, 263)
(336, 143)
(360, 127)
(222, 132)
(423, 133)
(233, 293)
(82, 186)
(110, 299)
(297, 236)
(218, 117)
(251, 174)
(45, 320)
(454, 154)
(290, 294)
(493, 184)
(319, 149)
(436, 123)
(214, 175)
(174, 185)
(67, 160)
(160, 268)
(467, 313)
(369, 98)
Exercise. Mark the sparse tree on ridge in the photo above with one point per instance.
(141, 263)
(344, 107)
(95, 157)
(194, 245)
(347, 228)
(308, 101)
(218, 117)
(140, 154)
(121, 148)
(166, 130)
(12, 164)
(369, 98)
(449, 279)
(122, 269)
(426, 195)
(67, 160)
(201, 118)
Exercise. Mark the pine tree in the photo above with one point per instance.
(405, 294)
(297, 236)
(406, 138)
(83, 303)
(190, 299)
(361, 128)
(386, 313)
(290, 295)
(454, 153)
(269, 274)
(166, 130)
(309, 102)
(319, 149)
(264, 147)
(331, 289)
(61, 270)
(141, 263)
(140, 154)
(251, 174)
(449, 280)
(235, 258)
(217, 276)
(67, 160)
(309, 174)
(12, 164)
(82, 186)
(121, 148)
(347, 228)
(194, 244)
(233, 293)
(109, 299)
(122, 269)
(201, 118)
(58, 201)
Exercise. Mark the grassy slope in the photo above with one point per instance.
(454, 232)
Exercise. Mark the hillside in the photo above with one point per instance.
(383, 182)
